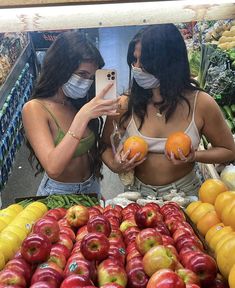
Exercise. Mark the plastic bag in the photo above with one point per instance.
(228, 176)
(127, 178)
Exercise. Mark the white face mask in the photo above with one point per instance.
(144, 79)
(77, 87)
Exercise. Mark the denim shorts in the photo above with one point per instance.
(49, 186)
(188, 184)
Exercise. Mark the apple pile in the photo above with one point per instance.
(112, 247)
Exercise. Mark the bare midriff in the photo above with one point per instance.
(78, 170)
(157, 170)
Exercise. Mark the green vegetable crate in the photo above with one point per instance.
(64, 201)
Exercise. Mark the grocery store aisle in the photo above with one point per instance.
(22, 182)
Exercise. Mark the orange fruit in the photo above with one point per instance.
(218, 236)
(207, 221)
(192, 206)
(223, 241)
(231, 277)
(200, 211)
(210, 189)
(222, 200)
(176, 141)
(226, 257)
(136, 145)
(213, 230)
(225, 215)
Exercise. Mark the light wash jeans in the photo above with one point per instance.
(49, 186)
(189, 184)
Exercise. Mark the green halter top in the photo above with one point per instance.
(84, 145)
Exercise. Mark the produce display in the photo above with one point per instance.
(214, 216)
(11, 45)
(134, 246)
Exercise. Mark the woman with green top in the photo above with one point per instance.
(62, 120)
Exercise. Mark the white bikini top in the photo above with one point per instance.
(157, 145)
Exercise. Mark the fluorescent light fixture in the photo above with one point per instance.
(110, 15)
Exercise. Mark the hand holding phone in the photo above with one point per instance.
(103, 77)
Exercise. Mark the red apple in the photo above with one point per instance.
(167, 240)
(53, 213)
(60, 249)
(109, 272)
(48, 227)
(182, 231)
(162, 228)
(153, 205)
(12, 277)
(36, 248)
(50, 265)
(21, 266)
(117, 242)
(130, 247)
(93, 212)
(113, 206)
(218, 283)
(131, 230)
(186, 240)
(111, 285)
(65, 240)
(113, 213)
(43, 284)
(114, 222)
(116, 234)
(146, 239)
(99, 208)
(48, 275)
(158, 257)
(95, 246)
(75, 281)
(185, 251)
(82, 231)
(165, 278)
(193, 286)
(58, 259)
(69, 232)
(137, 278)
(100, 224)
(201, 264)
(147, 217)
(174, 225)
(188, 276)
(63, 223)
(170, 206)
(117, 253)
(126, 224)
(77, 216)
(133, 254)
(78, 266)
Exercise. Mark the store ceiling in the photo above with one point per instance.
(108, 14)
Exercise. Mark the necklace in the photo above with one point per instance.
(158, 113)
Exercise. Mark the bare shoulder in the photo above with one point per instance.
(206, 103)
(33, 110)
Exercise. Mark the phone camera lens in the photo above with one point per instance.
(113, 78)
(108, 75)
(112, 73)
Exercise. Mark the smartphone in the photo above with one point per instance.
(102, 78)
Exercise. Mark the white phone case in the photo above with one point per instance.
(102, 78)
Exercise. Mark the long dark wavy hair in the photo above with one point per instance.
(164, 55)
(61, 60)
